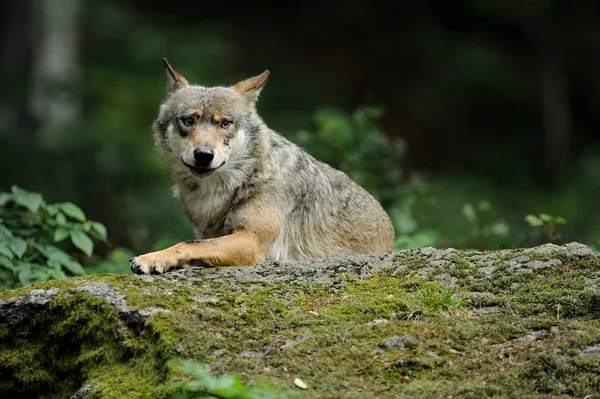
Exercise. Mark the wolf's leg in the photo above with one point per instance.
(255, 226)
(242, 248)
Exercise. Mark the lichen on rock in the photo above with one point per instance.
(510, 323)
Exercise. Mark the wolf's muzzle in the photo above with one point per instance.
(202, 172)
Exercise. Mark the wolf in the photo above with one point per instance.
(250, 194)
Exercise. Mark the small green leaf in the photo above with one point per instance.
(6, 279)
(484, 206)
(18, 246)
(73, 211)
(52, 209)
(500, 229)
(533, 221)
(40, 274)
(5, 232)
(31, 201)
(59, 256)
(57, 274)
(25, 277)
(560, 220)
(32, 274)
(4, 261)
(61, 219)
(69, 263)
(87, 226)
(82, 241)
(53, 264)
(24, 273)
(99, 229)
(43, 249)
(4, 198)
(469, 212)
(60, 234)
(74, 267)
(545, 217)
(5, 250)
(226, 382)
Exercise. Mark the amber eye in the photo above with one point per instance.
(225, 124)
(188, 120)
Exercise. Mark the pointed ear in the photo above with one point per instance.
(174, 79)
(250, 88)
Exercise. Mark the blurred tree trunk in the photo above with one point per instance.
(54, 102)
(554, 96)
(14, 67)
(554, 93)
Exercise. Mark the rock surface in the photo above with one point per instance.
(421, 323)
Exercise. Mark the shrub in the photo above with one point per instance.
(34, 237)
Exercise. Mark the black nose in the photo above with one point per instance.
(203, 156)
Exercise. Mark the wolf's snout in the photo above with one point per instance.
(203, 156)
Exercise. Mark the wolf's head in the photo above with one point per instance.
(207, 128)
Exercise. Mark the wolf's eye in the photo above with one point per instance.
(225, 124)
(188, 120)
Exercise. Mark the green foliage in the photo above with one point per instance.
(484, 227)
(31, 233)
(545, 225)
(204, 386)
(354, 143)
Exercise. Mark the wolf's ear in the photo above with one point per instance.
(250, 88)
(174, 79)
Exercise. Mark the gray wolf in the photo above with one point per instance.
(250, 194)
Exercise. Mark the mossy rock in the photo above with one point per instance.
(421, 323)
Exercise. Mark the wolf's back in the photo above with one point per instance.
(326, 211)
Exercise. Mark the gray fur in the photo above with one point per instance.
(320, 210)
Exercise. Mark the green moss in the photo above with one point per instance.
(65, 284)
(272, 333)
(79, 339)
(411, 259)
(555, 374)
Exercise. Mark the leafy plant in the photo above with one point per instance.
(545, 225)
(204, 386)
(31, 232)
(485, 225)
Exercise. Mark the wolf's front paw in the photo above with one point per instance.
(152, 263)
